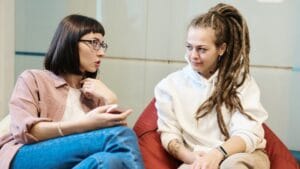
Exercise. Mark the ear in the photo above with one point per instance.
(222, 49)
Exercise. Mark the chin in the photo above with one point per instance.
(197, 69)
(92, 70)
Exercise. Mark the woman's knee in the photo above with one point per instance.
(123, 134)
(255, 160)
(237, 161)
(123, 131)
(112, 132)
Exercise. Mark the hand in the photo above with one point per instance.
(96, 88)
(210, 160)
(99, 118)
(114, 109)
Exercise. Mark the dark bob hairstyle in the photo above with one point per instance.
(63, 54)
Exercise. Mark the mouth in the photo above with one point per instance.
(97, 63)
(197, 63)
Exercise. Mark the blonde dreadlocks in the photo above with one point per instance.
(230, 28)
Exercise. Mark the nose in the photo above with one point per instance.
(101, 52)
(194, 54)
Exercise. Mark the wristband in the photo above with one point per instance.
(223, 151)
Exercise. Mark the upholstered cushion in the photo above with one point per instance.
(153, 153)
(147, 120)
(280, 157)
(155, 156)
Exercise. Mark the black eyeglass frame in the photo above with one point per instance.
(96, 44)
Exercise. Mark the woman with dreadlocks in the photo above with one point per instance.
(209, 113)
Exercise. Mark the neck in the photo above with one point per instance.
(73, 80)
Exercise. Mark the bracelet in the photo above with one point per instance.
(223, 151)
(60, 130)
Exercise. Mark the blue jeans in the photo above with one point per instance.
(107, 148)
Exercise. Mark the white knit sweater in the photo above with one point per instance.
(179, 95)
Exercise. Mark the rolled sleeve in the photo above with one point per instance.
(24, 109)
(167, 123)
(251, 131)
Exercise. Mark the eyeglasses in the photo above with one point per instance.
(96, 44)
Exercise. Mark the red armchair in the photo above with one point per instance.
(155, 156)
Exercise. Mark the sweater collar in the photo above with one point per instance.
(200, 78)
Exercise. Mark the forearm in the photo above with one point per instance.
(47, 130)
(95, 119)
(180, 152)
(110, 98)
(107, 96)
(99, 90)
(234, 144)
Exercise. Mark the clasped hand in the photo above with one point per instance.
(95, 87)
(210, 160)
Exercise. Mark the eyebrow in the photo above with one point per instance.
(96, 38)
(197, 46)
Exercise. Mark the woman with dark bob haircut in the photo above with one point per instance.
(63, 117)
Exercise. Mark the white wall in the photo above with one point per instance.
(7, 50)
(144, 34)
(36, 21)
